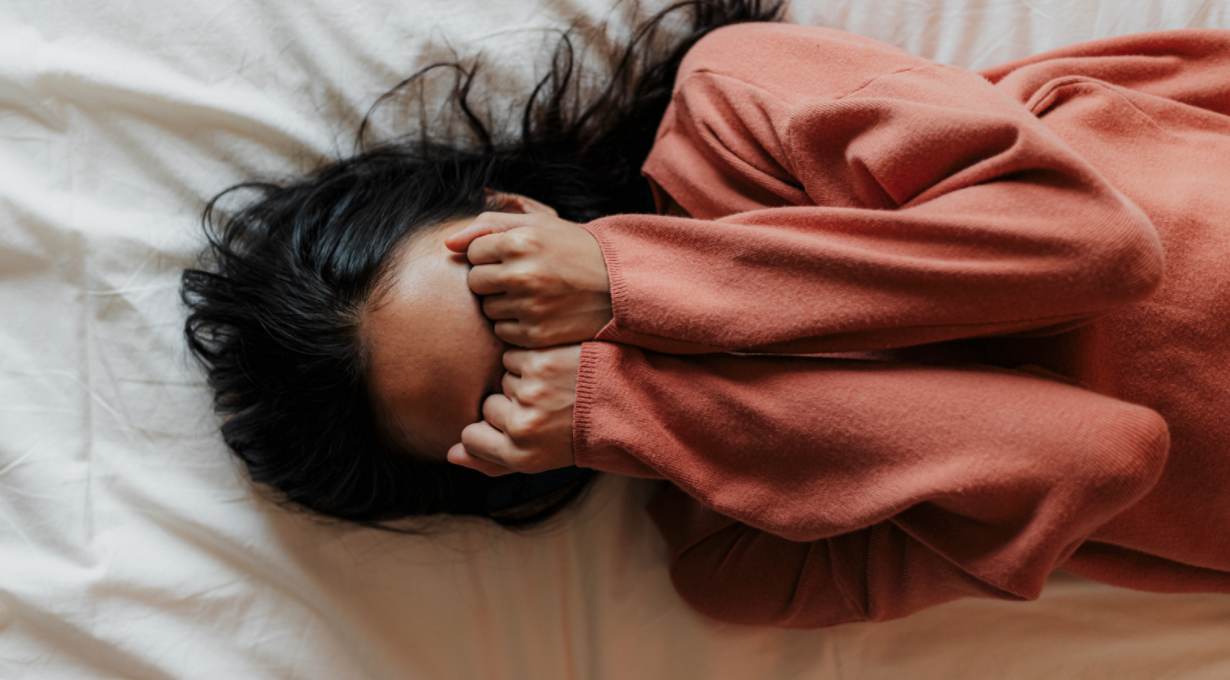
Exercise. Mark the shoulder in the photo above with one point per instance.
(790, 57)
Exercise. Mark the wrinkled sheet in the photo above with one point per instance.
(131, 545)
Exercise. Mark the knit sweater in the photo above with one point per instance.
(927, 333)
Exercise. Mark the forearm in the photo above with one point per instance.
(995, 473)
(810, 492)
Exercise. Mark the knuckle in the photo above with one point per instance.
(536, 419)
(548, 366)
(531, 393)
(524, 278)
(521, 242)
(539, 308)
(512, 277)
(525, 424)
(517, 428)
(530, 336)
(536, 364)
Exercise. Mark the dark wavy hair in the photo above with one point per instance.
(275, 309)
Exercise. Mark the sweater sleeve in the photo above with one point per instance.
(894, 486)
(847, 196)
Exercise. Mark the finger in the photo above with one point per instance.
(487, 279)
(486, 249)
(481, 440)
(528, 205)
(528, 394)
(519, 203)
(543, 363)
(539, 310)
(485, 223)
(495, 411)
(509, 384)
(459, 241)
(529, 336)
(458, 455)
(501, 306)
(516, 360)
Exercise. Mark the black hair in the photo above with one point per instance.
(275, 309)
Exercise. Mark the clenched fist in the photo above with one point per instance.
(528, 428)
(543, 279)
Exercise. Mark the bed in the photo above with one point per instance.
(131, 546)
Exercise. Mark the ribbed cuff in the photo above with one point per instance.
(614, 272)
(588, 448)
(619, 328)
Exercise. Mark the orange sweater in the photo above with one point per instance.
(928, 334)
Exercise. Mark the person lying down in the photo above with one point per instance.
(892, 332)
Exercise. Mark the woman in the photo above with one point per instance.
(902, 335)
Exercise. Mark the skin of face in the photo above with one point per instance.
(432, 355)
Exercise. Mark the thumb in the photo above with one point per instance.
(485, 223)
(458, 455)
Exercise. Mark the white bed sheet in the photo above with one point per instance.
(132, 547)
